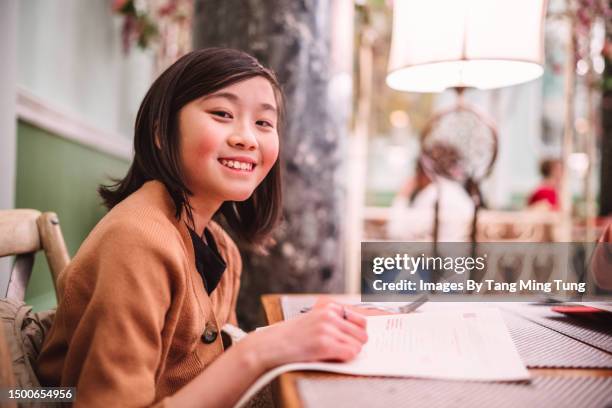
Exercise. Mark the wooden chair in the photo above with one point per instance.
(7, 380)
(22, 234)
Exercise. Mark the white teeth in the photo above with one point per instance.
(235, 164)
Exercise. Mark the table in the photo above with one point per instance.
(285, 390)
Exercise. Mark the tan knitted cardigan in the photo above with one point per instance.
(133, 310)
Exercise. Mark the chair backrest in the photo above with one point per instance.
(493, 226)
(7, 380)
(519, 226)
(23, 233)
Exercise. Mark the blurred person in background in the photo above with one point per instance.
(601, 264)
(546, 195)
(413, 209)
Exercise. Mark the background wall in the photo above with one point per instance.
(70, 52)
(55, 174)
(86, 93)
(8, 50)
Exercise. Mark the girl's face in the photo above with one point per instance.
(229, 140)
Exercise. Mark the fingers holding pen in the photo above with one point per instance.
(330, 332)
(347, 313)
(346, 321)
(332, 339)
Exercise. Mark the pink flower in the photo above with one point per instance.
(119, 5)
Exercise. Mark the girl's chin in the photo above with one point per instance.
(239, 196)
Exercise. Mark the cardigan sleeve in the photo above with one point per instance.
(116, 343)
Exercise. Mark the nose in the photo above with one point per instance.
(243, 138)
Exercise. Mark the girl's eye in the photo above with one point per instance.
(264, 123)
(222, 114)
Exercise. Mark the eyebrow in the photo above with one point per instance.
(234, 98)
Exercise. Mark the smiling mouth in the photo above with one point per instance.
(237, 165)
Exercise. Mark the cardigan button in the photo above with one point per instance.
(210, 333)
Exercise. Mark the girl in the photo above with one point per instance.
(142, 302)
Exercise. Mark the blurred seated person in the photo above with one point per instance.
(601, 263)
(546, 195)
(413, 209)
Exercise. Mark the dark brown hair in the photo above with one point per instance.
(546, 166)
(194, 75)
(441, 158)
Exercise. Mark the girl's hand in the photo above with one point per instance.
(329, 333)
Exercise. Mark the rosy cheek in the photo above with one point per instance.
(270, 154)
(204, 147)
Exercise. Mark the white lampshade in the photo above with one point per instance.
(439, 44)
